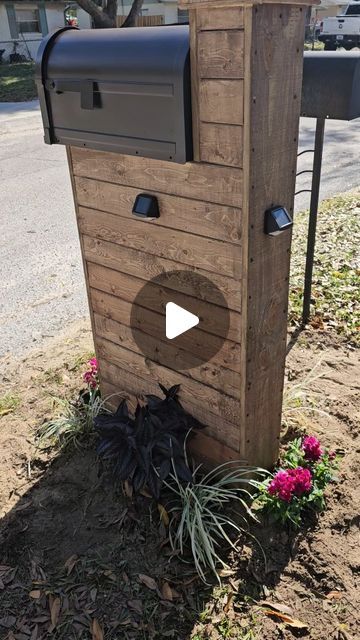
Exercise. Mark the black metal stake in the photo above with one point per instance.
(314, 204)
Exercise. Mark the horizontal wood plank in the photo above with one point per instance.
(206, 253)
(220, 18)
(221, 144)
(207, 401)
(155, 297)
(210, 452)
(146, 266)
(119, 384)
(160, 351)
(221, 101)
(221, 54)
(193, 180)
(193, 216)
(228, 354)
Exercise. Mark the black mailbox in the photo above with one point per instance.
(122, 90)
(331, 85)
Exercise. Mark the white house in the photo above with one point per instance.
(23, 23)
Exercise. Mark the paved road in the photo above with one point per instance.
(42, 286)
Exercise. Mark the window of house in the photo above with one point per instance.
(27, 20)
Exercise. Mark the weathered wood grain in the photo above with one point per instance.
(155, 298)
(181, 247)
(225, 4)
(116, 384)
(221, 54)
(210, 400)
(220, 18)
(211, 453)
(194, 180)
(161, 351)
(221, 144)
(221, 101)
(193, 216)
(276, 74)
(146, 266)
(104, 304)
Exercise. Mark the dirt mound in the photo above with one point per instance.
(78, 560)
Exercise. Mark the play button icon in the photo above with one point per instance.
(178, 320)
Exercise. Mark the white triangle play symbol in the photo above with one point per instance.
(178, 320)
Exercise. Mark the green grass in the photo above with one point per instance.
(336, 275)
(8, 403)
(17, 82)
(318, 46)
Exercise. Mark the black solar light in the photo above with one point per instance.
(146, 206)
(277, 220)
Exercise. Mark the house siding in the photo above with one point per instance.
(51, 17)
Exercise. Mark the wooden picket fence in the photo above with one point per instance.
(143, 21)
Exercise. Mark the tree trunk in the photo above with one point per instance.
(111, 10)
(106, 18)
(134, 12)
(100, 18)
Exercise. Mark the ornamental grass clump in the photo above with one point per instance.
(299, 484)
(206, 511)
(74, 420)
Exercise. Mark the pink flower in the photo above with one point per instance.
(312, 449)
(93, 363)
(332, 455)
(302, 480)
(282, 486)
(286, 484)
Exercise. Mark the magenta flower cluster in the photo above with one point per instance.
(312, 449)
(91, 375)
(290, 482)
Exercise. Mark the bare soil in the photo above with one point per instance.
(78, 560)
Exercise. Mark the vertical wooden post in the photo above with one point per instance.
(246, 68)
(247, 75)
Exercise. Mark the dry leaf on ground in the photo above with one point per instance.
(164, 516)
(166, 592)
(70, 563)
(229, 602)
(335, 595)
(148, 582)
(283, 608)
(287, 620)
(96, 630)
(55, 611)
(135, 605)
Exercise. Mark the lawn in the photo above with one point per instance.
(17, 82)
(336, 277)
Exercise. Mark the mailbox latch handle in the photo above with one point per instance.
(86, 88)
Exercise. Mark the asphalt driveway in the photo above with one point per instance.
(42, 285)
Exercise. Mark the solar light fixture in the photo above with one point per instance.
(146, 206)
(277, 220)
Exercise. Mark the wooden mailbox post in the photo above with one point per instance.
(246, 68)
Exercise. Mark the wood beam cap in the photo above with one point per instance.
(207, 4)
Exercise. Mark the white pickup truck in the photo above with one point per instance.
(342, 31)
